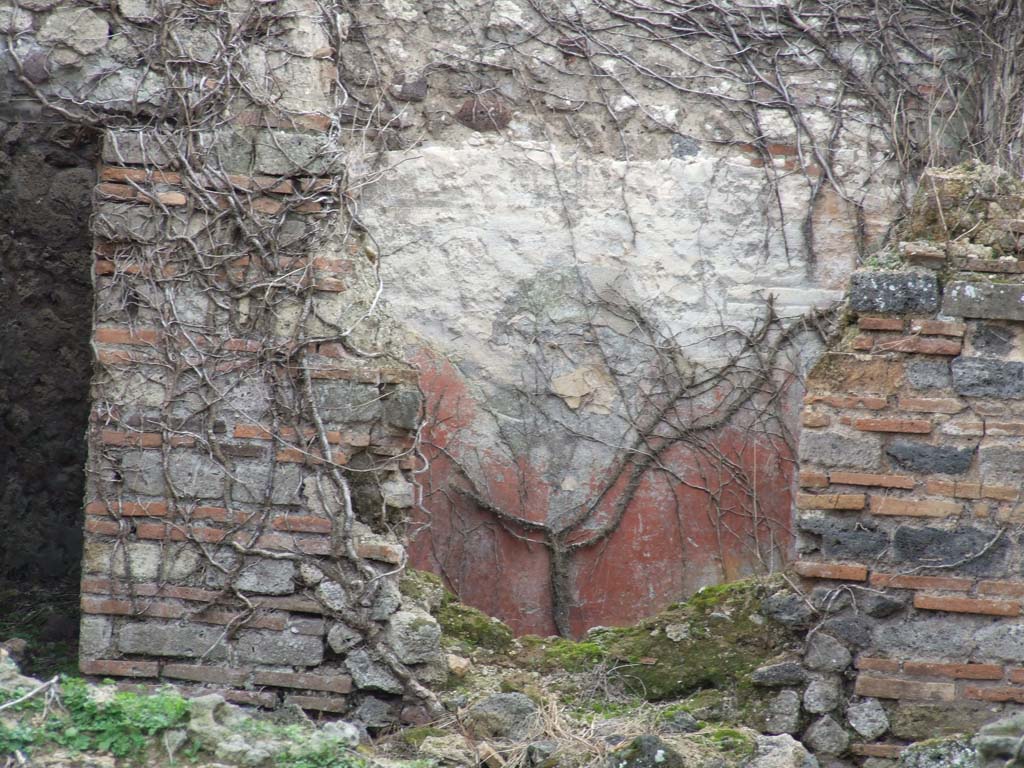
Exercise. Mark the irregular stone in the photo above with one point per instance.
(933, 546)
(988, 377)
(894, 292)
(81, 29)
(415, 636)
(540, 752)
(930, 459)
(458, 665)
(999, 743)
(342, 638)
(880, 605)
(992, 340)
(402, 408)
(788, 608)
(11, 678)
(833, 450)
(680, 721)
(783, 713)
(398, 492)
(929, 374)
(829, 600)
(853, 630)
(369, 673)
(842, 538)
(645, 752)
(782, 751)
(826, 654)
(1001, 462)
(827, 737)
(333, 595)
(452, 749)
(502, 715)
(258, 575)
(958, 752)
(375, 713)
(781, 674)
(823, 694)
(868, 718)
(996, 301)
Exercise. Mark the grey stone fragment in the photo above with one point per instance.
(347, 401)
(333, 595)
(284, 153)
(833, 450)
(375, 713)
(782, 751)
(250, 480)
(402, 408)
(826, 654)
(929, 374)
(680, 721)
(95, 635)
(822, 694)
(933, 546)
(368, 673)
(827, 737)
(142, 472)
(387, 600)
(894, 292)
(998, 743)
(81, 29)
(502, 715)
(842, 538)
(267, 577)
(788, 609)
(342, 638)
(853, 630)
(684, 146)
(829, 600)
(778, 675)
(282, 648)
(993, 340)
(189, 641)
(646, 751)
(880, 606)
(994, 301)
(195, 475)
(930, 459)
(957, 752)
(988, 377)
(1002, 641)
(1001, 462)
(868, 718)
(414, 636)
(783, 713)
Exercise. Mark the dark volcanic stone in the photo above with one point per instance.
(938, 547)
(930, 459)
(988, 377)
(894, 292)
(928, 374)
(784, 673)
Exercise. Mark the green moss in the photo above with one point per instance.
(474, 628)
(422, 587)
(720, 637)
(732, 743)
(416, 735)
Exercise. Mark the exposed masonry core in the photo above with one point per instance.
(912, 469)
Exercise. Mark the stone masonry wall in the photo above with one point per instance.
(912, 472)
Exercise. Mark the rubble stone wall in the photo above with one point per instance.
(911, 470)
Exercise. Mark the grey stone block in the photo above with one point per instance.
(777, 675)
(855, 631)
(868, 718)
(95, 635)
(996, 301)
(348, 401)
(368, 673)
(788, 609)
(823, 694)
(993, 340)
(928, 637)
(267, 577)
(195, 475)
(931, 546)
(827, 737)
(402, 408)
(894, 292)
(826, 654)
(281, 648)
(250, 479)
(143, 472)
(1001, 642)
(834, 450)
(844, 538)
(988, 377)
(929, 374)
(1001, 462)
(502, 715)
(783, 713)
(414, 636)
(189, 641)
(930, 459)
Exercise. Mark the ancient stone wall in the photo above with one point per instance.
(911, 471)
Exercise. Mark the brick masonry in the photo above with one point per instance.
(911, 478)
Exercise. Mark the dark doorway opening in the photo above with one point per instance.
(47, 173)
